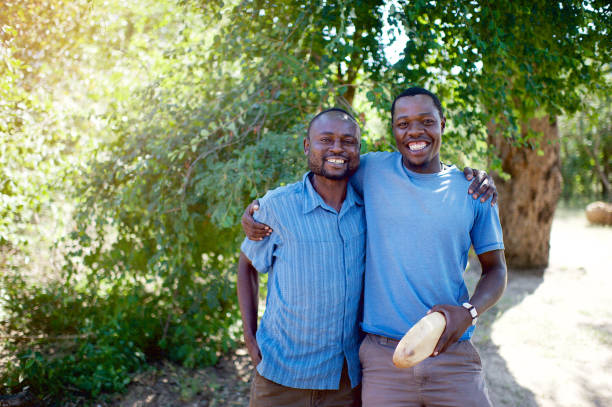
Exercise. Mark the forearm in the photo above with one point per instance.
(248, 293)
(488, 291)
(492, 283)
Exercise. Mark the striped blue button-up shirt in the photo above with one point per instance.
(315, 262)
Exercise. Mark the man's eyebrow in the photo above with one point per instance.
(418, 114)
(331, 132)
(423, 114)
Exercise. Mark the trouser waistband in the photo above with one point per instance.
(384, 339)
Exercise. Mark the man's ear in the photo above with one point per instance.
(306, 145)
(443, 123)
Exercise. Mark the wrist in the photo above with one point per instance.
(472, 312)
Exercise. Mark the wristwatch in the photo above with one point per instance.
(472, 310)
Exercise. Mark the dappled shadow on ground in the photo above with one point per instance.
(503, 388)
(551, 335)
(169, 385)
(227, 383)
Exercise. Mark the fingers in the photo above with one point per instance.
(482, 186)
(469, 173)
(441, 346)
(447, 338)
(253, 206)
(252, 229)
(488, 189)
(455, 326)
(490, 192)
(247, 214)
(444, 338)
(479, 177)
(255, 230)
(482, 190)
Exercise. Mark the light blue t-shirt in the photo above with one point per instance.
(420, 228)
(315, 262)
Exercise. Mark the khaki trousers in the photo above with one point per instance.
(452, 379)
(266, 393)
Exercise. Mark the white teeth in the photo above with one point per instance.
(335, 160)
(417, 146)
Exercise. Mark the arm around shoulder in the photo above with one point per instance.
(482, 185)
(252, 229)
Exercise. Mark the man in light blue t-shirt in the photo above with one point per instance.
(421, 225)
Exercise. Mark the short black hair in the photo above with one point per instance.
(333, 109)
(418, 91)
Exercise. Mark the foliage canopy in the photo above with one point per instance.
(182, 113)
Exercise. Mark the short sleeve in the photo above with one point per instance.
(486, 233)
(261, 253)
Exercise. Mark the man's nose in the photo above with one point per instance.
(414, 129)
(336, 146)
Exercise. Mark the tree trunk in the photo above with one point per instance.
(528, 200)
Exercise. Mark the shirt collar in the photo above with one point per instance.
(312, 199)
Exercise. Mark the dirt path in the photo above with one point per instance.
(549, 340)
(547, 343)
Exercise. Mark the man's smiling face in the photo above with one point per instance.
(333, 146)
(418, 128)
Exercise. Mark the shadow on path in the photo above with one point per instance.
(504, 390)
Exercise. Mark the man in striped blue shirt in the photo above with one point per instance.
(306, 347)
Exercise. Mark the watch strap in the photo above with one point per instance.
(472, 310)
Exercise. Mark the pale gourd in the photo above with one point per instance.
(419, 342)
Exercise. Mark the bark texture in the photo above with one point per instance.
(529, 199)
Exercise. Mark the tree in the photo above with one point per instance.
(220, 122)
(507, 69)
(215, 117)
(82, 328)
